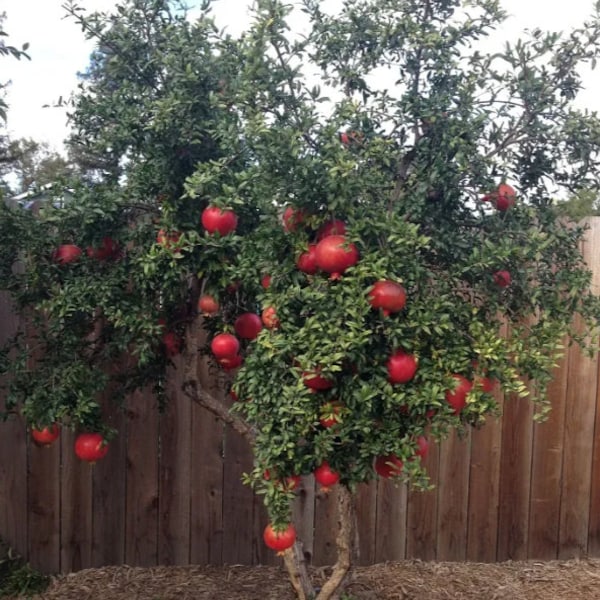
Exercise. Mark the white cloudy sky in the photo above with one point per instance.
(58, 51)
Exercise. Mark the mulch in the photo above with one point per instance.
(407, 580)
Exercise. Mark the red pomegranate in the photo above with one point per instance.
(307, 261)
(387, 295)
(248, 326)
(401, 367)
(334, 254)
(90, 447)
(279, 540)
(292, 218)
(108, 249)
(457, 398)
(502, 278)
(169, 240)
(225, 345)
(208, 306)
(334, 227)
(230, 363)
(265, 281)
(219, 220)
(45, 436)
(314, 381)
(505, 197)
(388, 466)
(325, 476)
(66, 253)
(422, 447)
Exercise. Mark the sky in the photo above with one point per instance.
(59, 51)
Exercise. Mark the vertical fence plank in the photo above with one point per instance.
(109, 493)
(43, 507)
(142, 481)
(579, 431)
(206, 517)
(421, 537)
(366, 508)
(237, 501)
(324, 550)
(515, 476)
(594, 526)
(13, 454)
(453, 498)
(546, 472)
(174, 473)
(484, 489)
(391, 521)
(76, 509)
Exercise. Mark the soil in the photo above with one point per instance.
(555, 580)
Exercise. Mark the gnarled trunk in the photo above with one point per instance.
(345, 540)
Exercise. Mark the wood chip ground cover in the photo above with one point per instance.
(554, 580)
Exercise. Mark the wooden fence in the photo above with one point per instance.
(169, 490)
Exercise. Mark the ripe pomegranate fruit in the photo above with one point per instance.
(502, 278)
(422, 447)
(314, 381)
(207, 305)
(505, 197)
(334, 254)
(265, 281)
(387, 295)
(325, 476)
(219, 220)
(307, 261)
(45, 436)
(66, 253)
(225, 345)
(457, 398)
(230, 363)
(90, 447)
(279, 540)
(401, 367)
(108, 249)
(334, 227)
(269, 318)
(388, 466)
(248, 326)
(292, 218)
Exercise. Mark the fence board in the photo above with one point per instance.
(76, 509)
(324, 550)
(391, 521)
(484, 479)
(141, 524)
(515, 475)
(546, 472)
(174, 474)
(453, 498)
(109, 493)
(43, 507)
(421, 539)
(366, 506)
(303, 514)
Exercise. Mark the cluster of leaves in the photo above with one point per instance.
(172, 116)
(17, 578)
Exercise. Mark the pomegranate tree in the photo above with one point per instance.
(351, 291)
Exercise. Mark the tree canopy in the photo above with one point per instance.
(378, 190)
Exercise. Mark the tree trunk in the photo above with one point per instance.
(345, 542)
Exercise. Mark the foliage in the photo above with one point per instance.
(408, 148)
(17, 578)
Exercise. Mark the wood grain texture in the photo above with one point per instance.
(175, 430)
(141, 524)
(391, 521)
(453, 498)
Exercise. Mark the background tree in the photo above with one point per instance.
(436, 184)
(586, 203)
